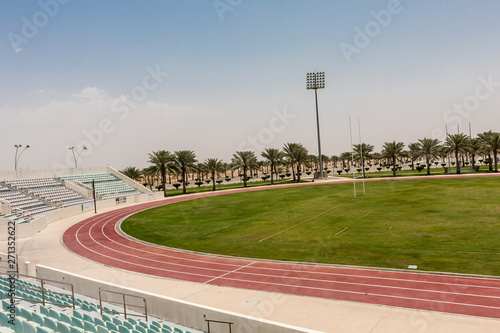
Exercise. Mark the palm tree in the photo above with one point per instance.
(297, 156)
(149, 175)
(274, 157)
(475, 147)
(391, 151)
(214, 166)
(362, 152)
(491, 142)
(335, 159)
(345, 157)
(413, 153)
(289, 150)
(132, 173)
(185, 160)
(162, 161)
(457, 143)
(429, 148)
(245, 160)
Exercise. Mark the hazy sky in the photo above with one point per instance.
(125, 78)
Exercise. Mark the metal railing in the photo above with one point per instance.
(44, 291)
(124, 303)
(218, 322)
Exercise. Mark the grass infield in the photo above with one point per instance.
(449, 225)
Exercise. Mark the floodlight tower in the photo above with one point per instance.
(316, 80)
(16, 157)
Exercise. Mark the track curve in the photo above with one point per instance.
(97, 239)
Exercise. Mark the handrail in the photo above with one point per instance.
(124, 302)
(219, 322)
(43, 290)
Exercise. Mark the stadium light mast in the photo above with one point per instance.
(316, 80)
(77, 156)
(16, 157)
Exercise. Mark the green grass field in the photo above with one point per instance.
(450, 225)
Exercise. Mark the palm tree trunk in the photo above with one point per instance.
(457, 161)
(272, 178)
(490, 162)
(244, 177)
(184, 178)
(298, 173)
(495, 158)
(213, 180)
(428, 165)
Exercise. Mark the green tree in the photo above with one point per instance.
(458, 144)
(274, 157)
(185, 160)
(413, 153)
(214, 166)
(132, 173)
(362, 153)
(491, 143)
(245, 160)
(391, 151)
(162, 161)
(429, 149)
(297, 156)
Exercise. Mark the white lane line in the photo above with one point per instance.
(341, 231)
(309, 219)
(380, 277)
(126, 254)
(363, 293)
(365, 284)
(233, 271)
(367, 213)
(179, 257)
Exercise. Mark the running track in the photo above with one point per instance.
(97, 239)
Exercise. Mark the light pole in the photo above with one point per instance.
(316, 80)
(77, 156)
(16, 157)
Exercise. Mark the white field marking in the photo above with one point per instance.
(371, 294)
(233, 271)
(360, 284)
(390, 228)
(367, 213)
(309, 219)
(341, 231)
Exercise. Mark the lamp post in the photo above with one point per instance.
(316, 80)
(77, 156)
(16, 157)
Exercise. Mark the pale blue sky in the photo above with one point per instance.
(231, 72)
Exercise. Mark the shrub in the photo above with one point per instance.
(263, 178)
(379, 169)
(288, 174)
(443, 164)
(208, 181)
(228, 179)
(282, 176)
(420, 168)
(308, 172)
(347, 170)
(176, 185)
(198, 183)
(218, 181)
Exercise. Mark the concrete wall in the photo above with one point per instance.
(78, 187)
(4, 207)
(171, 309)
(132, 183)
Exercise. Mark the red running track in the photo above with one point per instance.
(97, 239)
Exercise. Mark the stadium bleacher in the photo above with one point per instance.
(34, 317)
(107, 186)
